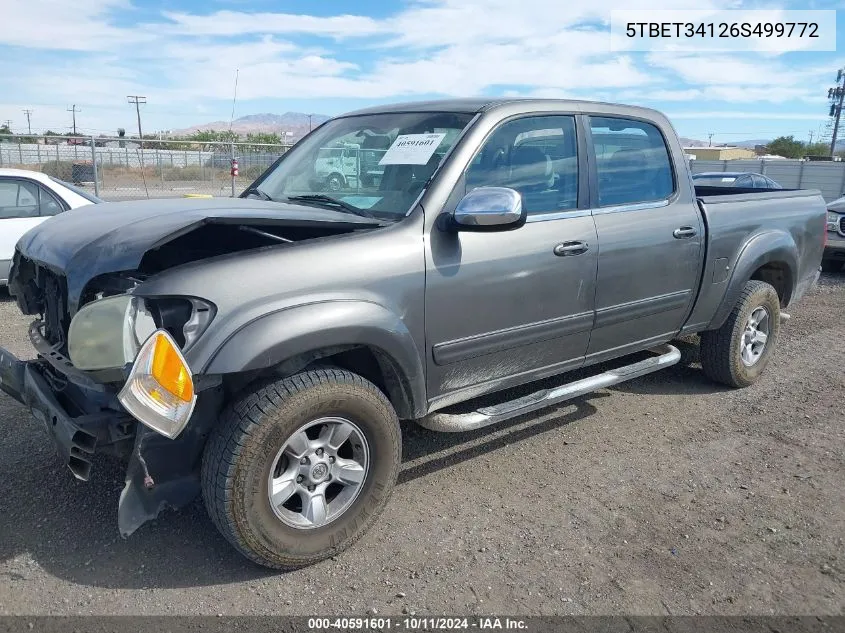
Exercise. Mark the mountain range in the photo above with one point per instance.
(297, 123)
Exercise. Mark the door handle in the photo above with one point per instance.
(571, 248)
(684, 232)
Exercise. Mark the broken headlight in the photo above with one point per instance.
(108, 333)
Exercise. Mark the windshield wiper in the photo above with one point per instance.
(255, 191)
(328, 201)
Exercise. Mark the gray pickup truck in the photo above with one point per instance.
(261, 351)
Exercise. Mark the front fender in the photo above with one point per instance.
(761, 249)
(274, 338)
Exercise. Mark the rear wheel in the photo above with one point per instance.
(832, 265)
(737, 353)
(298, 469)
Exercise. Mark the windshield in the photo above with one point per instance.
(375, 164)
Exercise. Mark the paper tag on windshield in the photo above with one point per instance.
(412, 149)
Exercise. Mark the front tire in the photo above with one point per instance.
(298, 469)
(737, 353)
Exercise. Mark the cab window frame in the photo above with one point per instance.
(582, 182)
(588, 118)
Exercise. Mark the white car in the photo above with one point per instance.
(27, 198)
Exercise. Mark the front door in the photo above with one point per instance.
(650, 232)
(507, 307)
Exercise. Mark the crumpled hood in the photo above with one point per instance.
(96, 239)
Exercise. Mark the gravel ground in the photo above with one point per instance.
(667, 494)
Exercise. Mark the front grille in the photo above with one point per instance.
(842, 225)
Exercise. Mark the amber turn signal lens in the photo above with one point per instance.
(169, 370)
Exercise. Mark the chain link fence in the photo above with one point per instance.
(826, 176)
(125, 169)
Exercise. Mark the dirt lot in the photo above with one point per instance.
(665, 495)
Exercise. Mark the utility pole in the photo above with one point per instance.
(836, 95)
(811, 137)
(710, 139)
(28, 123)
(138, 100)
(74, 109)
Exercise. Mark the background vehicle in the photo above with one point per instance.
(740, 179)
(27, 198)
(263, 350)
(834, 251)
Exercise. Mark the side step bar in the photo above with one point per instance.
(666, 356)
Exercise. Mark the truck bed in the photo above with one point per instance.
(791, 218)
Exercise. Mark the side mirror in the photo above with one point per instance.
(489, 209)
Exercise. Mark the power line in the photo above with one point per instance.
(28, 123)
(74, 109)
(138, 100)
(836, 95)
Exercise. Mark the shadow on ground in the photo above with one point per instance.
(69, 528)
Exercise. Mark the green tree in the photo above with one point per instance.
(787, 147)
(817, 149)
(4, 129)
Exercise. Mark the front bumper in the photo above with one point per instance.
(161, 472)
(75, 437)
(5, 266)
(835, 248)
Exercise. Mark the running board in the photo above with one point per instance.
(666, 356)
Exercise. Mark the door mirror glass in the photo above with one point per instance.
(489, 209)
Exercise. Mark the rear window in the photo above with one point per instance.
(79, 192)
(714, 181)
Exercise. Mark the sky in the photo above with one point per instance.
(331, 56)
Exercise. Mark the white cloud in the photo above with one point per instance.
(447, 47)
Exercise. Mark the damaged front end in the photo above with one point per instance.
(78, 384)
(111, 375)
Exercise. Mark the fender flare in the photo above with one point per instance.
(763, 248)
(279, 336)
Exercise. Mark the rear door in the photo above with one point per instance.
(650, 237)
(23, 205)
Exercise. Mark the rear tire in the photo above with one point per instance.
(832, 265)
(736, 354)
(257, 443)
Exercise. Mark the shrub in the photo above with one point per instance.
(61, 169)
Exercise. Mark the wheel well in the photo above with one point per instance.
(369, 363)
(778, 275)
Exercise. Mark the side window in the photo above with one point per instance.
(18, 199)
(631, 160)
(536, 156)
(47, 203)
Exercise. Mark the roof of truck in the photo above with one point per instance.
(481, 104)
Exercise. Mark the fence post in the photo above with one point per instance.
(1, 155)
(841, 182)
(57, 156)
(38, 149)
(20, 152)
(232, 171)
(763, 166)
(801, 174)
(94, 163)
(126, 147)
(724, 166)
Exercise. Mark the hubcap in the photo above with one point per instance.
(318, 473)
(755, 336)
